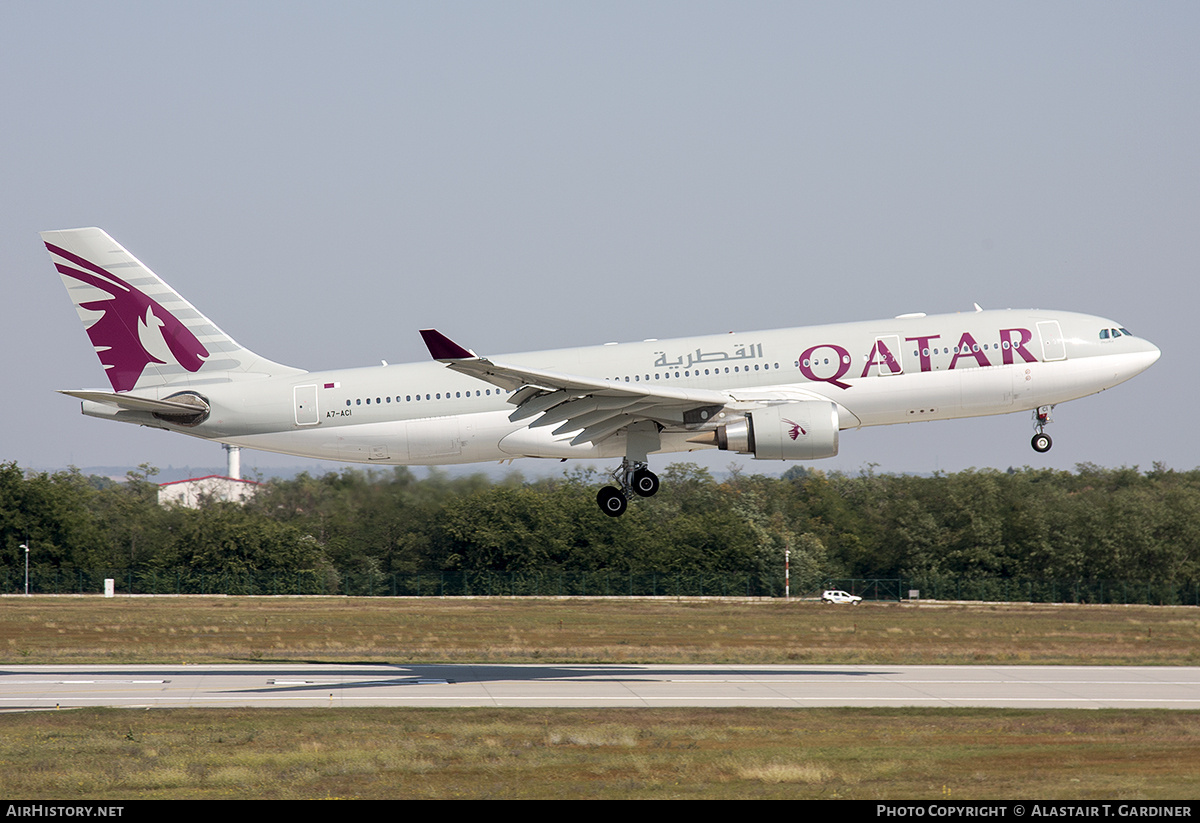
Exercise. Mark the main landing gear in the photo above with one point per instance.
(632, 477)
(1041, 441)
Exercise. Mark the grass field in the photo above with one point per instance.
(521, 630)
(577, 753)
(600, 753)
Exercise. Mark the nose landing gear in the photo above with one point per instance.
(1041, 441)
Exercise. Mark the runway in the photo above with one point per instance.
(24, 688)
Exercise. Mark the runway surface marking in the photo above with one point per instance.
(26, 687)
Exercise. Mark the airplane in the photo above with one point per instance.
(785, 394)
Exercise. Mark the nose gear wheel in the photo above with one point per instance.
(1041, 441)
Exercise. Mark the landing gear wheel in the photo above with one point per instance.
(1041, 441)
(611, 501)
(645, 483)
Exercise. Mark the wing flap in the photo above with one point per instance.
(598, 431)
(535, 402)
(590, 420)
(589, 404)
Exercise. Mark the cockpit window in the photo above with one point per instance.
(1126, 332)
(1104, 334)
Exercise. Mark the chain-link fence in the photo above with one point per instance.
(580, 584)
(376, 584)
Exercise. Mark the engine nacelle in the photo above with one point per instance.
(803, 430)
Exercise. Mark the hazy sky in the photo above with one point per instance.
(325, 179)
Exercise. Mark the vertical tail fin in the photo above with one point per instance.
(144, 332)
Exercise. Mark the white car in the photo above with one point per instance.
(836, 596)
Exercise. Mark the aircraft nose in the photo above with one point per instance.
(1144, 357)
(1151, 351)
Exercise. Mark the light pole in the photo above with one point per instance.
(25, 546)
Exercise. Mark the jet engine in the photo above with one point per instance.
(802, 430)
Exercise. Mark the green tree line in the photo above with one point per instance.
(1021, 524)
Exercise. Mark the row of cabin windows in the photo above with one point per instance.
(637, 378)
(415, 398)
(963, 349)
(412, 398)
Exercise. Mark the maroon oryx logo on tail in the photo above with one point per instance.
(134, 330)
(796, 429)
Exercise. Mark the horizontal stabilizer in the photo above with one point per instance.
(132, 402)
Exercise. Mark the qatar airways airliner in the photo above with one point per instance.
(785, 394)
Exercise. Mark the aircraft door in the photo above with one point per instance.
(886, 356)
(1053, 347)
(305, 398)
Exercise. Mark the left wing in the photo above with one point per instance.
(595, 408)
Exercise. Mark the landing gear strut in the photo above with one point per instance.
(632, 477)
(1041, 441)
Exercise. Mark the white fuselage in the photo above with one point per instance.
(901, 370)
